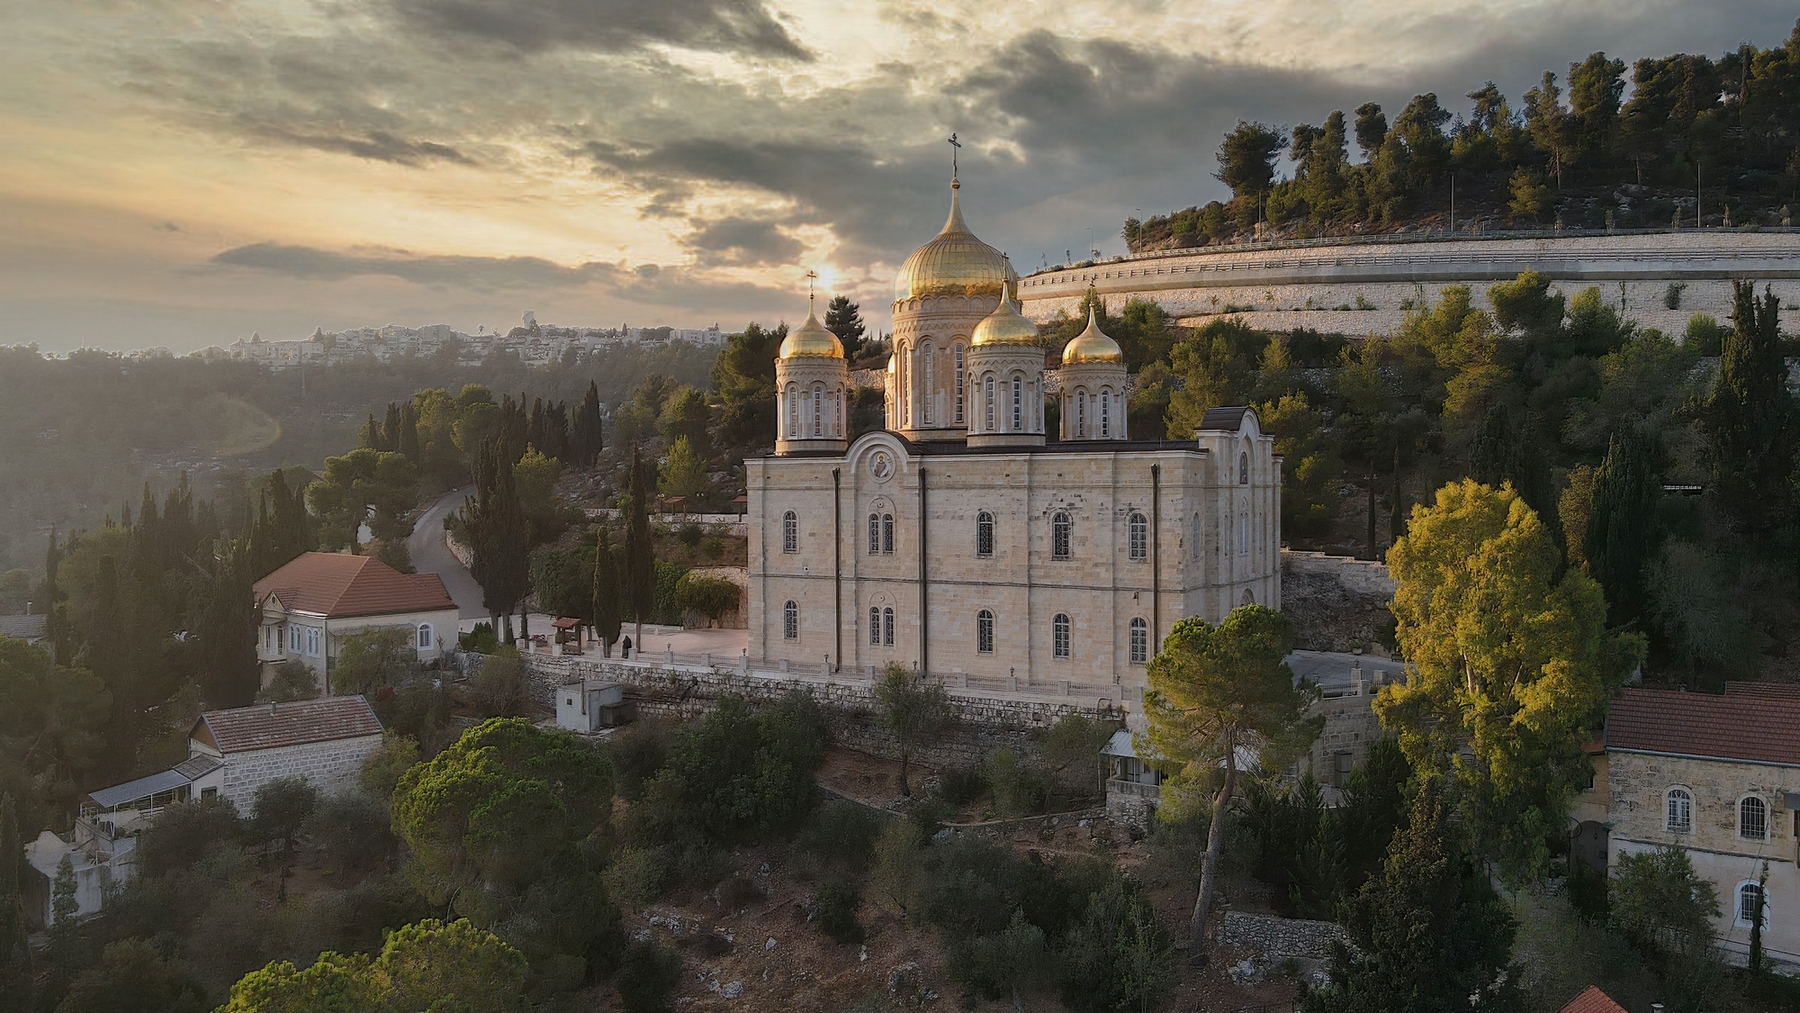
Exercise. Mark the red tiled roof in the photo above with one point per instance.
(271, 725)
(337, 585)
(1758, 729)
(1790, 690)
(1592, 1000)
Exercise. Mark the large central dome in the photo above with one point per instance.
(953, 263)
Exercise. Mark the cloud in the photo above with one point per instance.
(742, 26)
(438, 271)
(743, 241)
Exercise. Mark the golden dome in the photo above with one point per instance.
(811, 341)
(1005, 326)
(953, 263)
(1092, 345)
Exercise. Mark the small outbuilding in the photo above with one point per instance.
(587, 706)
(324, 741)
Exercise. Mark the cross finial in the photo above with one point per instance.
(811, 276)
(955, 146)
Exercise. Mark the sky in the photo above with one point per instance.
(182, 173)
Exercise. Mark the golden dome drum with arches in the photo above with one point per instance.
(953, 263)
(811, 340)
(1092, 345)
(1005, 326)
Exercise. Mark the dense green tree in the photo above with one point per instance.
(608, 593)
(1750, 418)
(712, 597)
(1430, 932)
(1621, 535)
(454, 968)
(683, 471)
(134, 975)
(1216, 692)
(915, 713)
(639, 563)
(372, 660)
(744, 376)
(495, 524)
(686, 415)
(1247, 159)
(586, 436)
(53, 722)
(15, 952)
(1510, 666)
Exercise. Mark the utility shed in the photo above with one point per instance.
(584, 706)
(324, 741)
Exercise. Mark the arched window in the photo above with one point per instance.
(987, 401)
(1081, 414)
(1244, 533)
(984, 631)
(887, 534)
(887, 627)
(818, 410)
(957, 354)
(905, 399)
(293, 639)
(1059, 636)
(984, 534)
(1249, 597)
(790, 532)
(793, 400)
(1105, 414)
(1679, 806)
(424, 636)
(1753, 818)
(1139, 540)
(1750, 898)
(1243, 469)
(1140, 642)
(874, 626)
(930, 390)
(790, 621)
(1018, 413)
(874, 533)
(1060, 530)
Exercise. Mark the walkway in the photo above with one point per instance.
(431, 555)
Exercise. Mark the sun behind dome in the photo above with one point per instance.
(953, 263)
(811, 340)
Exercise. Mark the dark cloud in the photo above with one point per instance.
(744, 26)
(743, 242)
(440, 271)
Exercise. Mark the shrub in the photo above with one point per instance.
(1018, 789)
(841, 833)
(480, 639)
(383, 768)
(834, 911)
(647, 977)
(961, 786)
(638, 752)
(500, 690)
(184, 834)
(712, 597)
(292, 680)
(690, 534)
(419, 710)
(637, 875)
(713, 548)
(353, 828)
(899, 866)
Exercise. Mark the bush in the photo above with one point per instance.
(961, 786)
(637, 875)
(353, 828)
(383, 768)
(419, 710)
(841, 832)
(834, 911)
(647, 977)
(712, 597)
(690, 534)
(500, 690)
(292, 680)
(638, 752)
(480, 639)
(184, 834)
(1018, 789)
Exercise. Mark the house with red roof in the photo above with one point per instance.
(318, 598)
(1719, 776)
(1593, 1000)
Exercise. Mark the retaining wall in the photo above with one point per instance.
(1337, 603)
(1278, 939)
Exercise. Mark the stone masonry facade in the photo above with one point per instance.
(330, 766)
(1337, 603)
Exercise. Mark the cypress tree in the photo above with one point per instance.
(585, 440)
(606, 613)
(640, 554)
(408, 440)
(1750, 419)
(502, 565)
(1621, 531)
(54, 619)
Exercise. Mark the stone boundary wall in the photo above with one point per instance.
(1278, 939)
(1337, 603)
(681, 692)
(463, 554)
(1360, 287)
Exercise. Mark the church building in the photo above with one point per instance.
(966, 541)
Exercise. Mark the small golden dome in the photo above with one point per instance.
(1092, 345)
(1005, 326)
(811, 341)
(953, 263)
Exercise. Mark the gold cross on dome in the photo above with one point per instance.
(955, 146)
(811, 276)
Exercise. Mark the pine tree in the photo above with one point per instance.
(1750, 418)
(606, 612)
(640, 553)
(844, 319)
(15, 955)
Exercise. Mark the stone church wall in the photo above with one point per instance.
(1337, 603)
(330, 766)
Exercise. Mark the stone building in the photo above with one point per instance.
(965, 540)
(1720, 777)
(318, 598)
(324, 741)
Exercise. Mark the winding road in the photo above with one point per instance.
(431, 555)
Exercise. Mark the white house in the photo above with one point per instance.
(324, 741)
(318, 598)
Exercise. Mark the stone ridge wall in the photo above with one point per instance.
(1278, 939)
(682, 692)
(330, 766)
(1362, 287)
(1337, 603)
